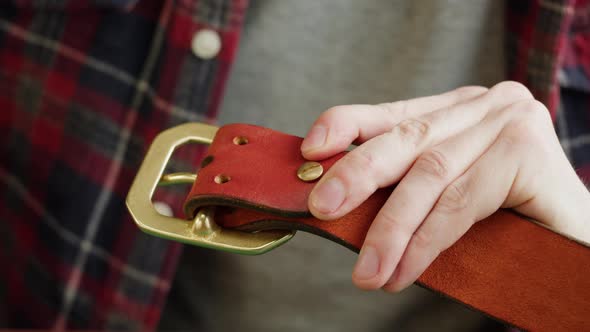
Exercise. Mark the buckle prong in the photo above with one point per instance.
(203, 231)
(204, 225)
(177, 178)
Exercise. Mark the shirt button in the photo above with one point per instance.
(163, 209)
(206, 44)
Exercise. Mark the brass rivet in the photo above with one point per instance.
(222, 178)
(310, 171)
(240, 140)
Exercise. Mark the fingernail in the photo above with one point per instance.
(367, 264)
(314, 139)
(328, 196)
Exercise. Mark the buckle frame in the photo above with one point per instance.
(203, 232)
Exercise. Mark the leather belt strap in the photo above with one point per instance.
(505, 266)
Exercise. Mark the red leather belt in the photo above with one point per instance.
(505, 266)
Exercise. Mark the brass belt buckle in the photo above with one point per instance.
(202, 231)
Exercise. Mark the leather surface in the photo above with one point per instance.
(505, 266)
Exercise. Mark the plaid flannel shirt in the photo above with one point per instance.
(84, 88)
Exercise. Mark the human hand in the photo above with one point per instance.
(458, 157)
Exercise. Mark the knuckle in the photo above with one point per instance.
(433, 163)
(530, 123)
(412, 130)
(364, 163)
(532, 111)
(524, 143)
(422, 238)
(364, 159)
(389, 224)
(512, 90)
(455, 199)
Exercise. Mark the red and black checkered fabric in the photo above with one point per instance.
(548, 49)
(84, 88)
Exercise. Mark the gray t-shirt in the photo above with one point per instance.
(298, 58)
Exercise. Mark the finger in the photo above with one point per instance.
(418, 191)
(340, 126)
(373, 165)
(473, 196)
